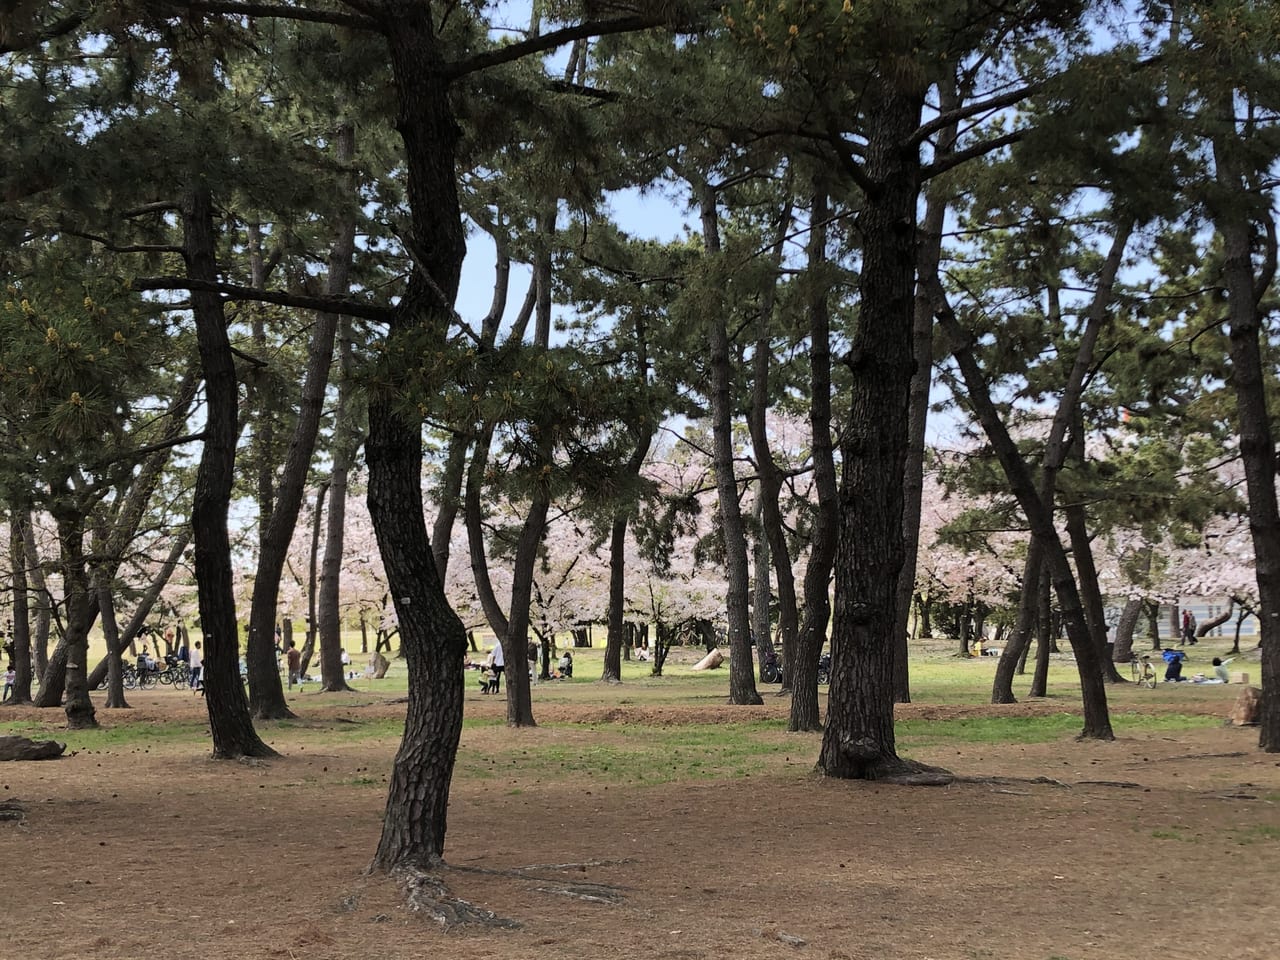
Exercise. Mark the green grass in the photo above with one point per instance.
(928, 733)
(644, 754)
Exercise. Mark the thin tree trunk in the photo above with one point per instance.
(230, 723)
(742, 685)
(769, 484)
(804, 715)
(1044, 636)
(21, 693)
(1014, 654)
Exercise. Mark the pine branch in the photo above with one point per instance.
(281, 12)
(347, 308)
(59, 28)
(977, 150)
(950, 117)
(550, 41)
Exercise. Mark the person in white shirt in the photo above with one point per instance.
(498, 666)
(195, 660)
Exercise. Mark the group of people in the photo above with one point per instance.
(495, 665)
(192, 657)
(1174, 659)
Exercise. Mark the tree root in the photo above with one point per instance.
(427, 894)
(13, 810)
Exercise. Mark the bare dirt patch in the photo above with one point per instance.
(1155, 846)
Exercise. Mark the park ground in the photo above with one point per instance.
(653, 820)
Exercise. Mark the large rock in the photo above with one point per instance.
(20, 748)
(1245, 712)
(712, 660)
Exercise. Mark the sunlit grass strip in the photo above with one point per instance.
(1028, 730)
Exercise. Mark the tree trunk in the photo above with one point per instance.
(40, 593)
(1014, 653)
(1037, 504)
(1212, 623)
(769, 485)
(21, 693)
(432, 636)
(1087, 572)
(1044, 634)
(229, 720)
(1124, 630)
(266, 694)
(1249, 375)
(111, 634)
(79, 615)
(859, 738)
(742, 685)
(1152, 611)
(812, 634)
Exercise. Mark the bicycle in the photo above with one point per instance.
(1144, 674)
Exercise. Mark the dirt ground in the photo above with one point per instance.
(1155, 846)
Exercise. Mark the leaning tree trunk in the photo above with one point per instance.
(1124, 630)
(1091, 595)
(1212, 623)
(266, 694)
(774, 545)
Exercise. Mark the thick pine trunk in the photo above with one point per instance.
(1249, 377)
(1123, 652)
(432, 636)
(79, 616)
(859, 738)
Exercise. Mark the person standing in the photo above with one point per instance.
(293, 660)
(195, 660)
(10, 678)
(533, 662)
(499, 665)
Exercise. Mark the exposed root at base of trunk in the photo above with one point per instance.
(13, 810)
(426, 893)
(895, 770)
(588, 891)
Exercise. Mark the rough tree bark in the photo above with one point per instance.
(859, 740)
(229, 720)
(1245, 289)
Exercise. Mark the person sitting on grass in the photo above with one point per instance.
(1220, 669)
